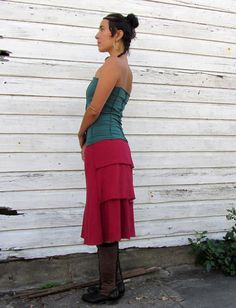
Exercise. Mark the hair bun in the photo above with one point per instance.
(132, 20)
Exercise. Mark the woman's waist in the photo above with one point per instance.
(109, 117)
(106, 124)
(105, 130)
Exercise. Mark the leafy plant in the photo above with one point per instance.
(217, 254)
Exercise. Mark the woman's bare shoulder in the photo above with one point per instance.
(112, 62)
(111, 65)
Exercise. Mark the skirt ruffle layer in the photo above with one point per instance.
(108, 214)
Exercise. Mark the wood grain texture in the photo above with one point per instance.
(182, 27)
(144, 41)
(214, 195)
(11, 162)
(58, 236)
(76, 89)
(132, 126)
(33, 143)
(75, 179)
(155, 9)
(142, 75)
(84, 53)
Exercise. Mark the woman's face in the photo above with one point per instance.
(104, 39)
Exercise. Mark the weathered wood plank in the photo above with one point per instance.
(226, 6)
(189, 30)
(184, 176)
(193, 195)
(86, 53)
(59, 69)
(45, 237)
(43, 199)
(186, 110)
(179, 127)
(37, 143)
(183, 226)
(34, 143)
(23, 105)
(42, 180)
(51, 218)
(185, 45)
(13, 104)
(175, 210)
(85, 71)
(134, 242)
(18, 181)
(37, 219)
(173, 240)
(43, 252)
(40, 162)
(49, 14)
(143, 8)
(65, 34)
(132, 126)
(195, 192)
(80, 18)
(149, 160)
(77, 88)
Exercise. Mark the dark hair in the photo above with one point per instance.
(126, 24)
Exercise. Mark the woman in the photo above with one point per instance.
(108, 215)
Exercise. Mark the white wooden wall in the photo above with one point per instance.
(180, 121)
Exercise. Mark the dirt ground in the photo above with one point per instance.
(183, 286)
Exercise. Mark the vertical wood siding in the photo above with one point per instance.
(180, 120)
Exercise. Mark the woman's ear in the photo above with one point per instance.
(119, 34)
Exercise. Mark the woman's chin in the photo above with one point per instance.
(101, 49)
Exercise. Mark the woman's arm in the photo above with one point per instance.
(88, 119)
(108, 77)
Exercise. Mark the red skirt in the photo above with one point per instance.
(108, 214)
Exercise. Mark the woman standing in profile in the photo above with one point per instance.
(108, 215)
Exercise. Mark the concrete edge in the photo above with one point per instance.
(16, 275)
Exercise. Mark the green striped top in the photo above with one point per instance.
(109, 123)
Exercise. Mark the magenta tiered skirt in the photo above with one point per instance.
(108, 214)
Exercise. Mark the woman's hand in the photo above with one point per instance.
(83, 151)
(82, 139)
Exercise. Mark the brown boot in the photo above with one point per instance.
(108, 291)
(119, 279)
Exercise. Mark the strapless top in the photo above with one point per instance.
(109, 123)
